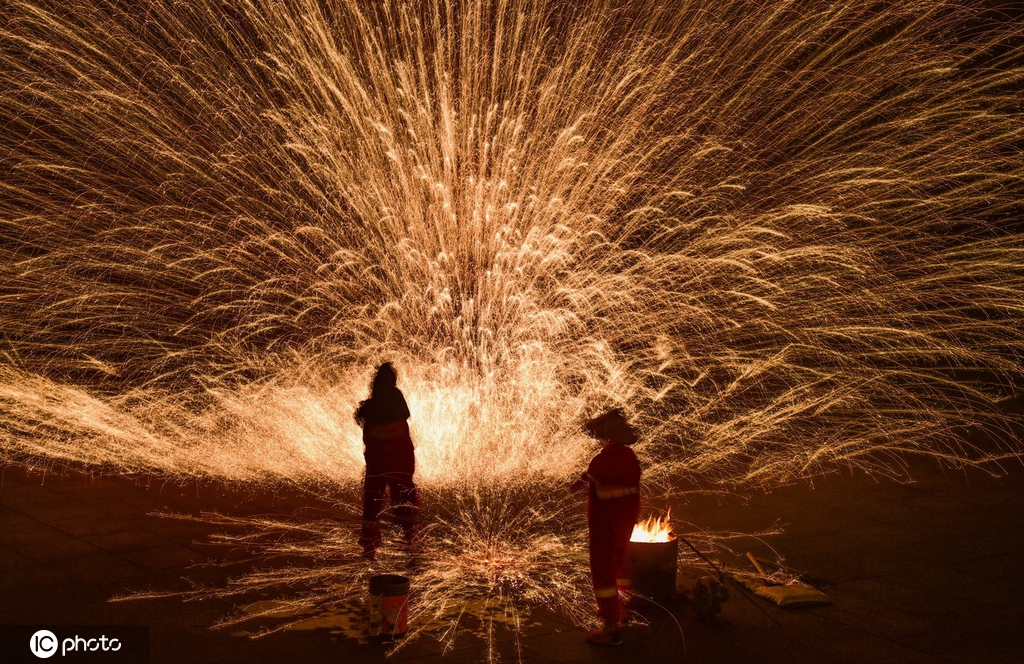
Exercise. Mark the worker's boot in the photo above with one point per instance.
(608, 635)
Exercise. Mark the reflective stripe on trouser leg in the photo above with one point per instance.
(608, 605)
(625, 589)
(625, 598)
(602, 570)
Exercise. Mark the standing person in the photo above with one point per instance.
(390, 459)
(613, 481)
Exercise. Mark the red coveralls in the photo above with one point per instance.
(612, 511)
(390, 463)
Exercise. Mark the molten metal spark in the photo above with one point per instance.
(782, 236)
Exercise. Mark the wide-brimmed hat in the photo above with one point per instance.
(611, 427)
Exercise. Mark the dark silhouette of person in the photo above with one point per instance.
(612, 481)
(390, 459)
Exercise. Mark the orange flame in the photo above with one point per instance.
(653, 529)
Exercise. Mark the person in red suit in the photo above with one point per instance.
(390, 459)
(613, 483)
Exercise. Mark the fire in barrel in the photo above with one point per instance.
(654, 551)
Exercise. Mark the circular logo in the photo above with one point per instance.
(43, 643)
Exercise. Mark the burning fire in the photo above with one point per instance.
(653, 529)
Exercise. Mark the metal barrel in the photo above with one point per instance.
(653, 565)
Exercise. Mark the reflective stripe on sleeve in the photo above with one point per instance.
(607, 494)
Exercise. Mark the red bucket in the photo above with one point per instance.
(389, 601)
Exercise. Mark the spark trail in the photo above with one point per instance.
(783, 236)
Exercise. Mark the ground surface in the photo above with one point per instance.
(923, 573)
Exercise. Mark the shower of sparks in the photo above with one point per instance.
(783, 236)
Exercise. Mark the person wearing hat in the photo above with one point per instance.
(613, 484)
(390, 459)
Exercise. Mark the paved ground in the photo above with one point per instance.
(925, 572)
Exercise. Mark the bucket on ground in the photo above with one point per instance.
(388, 605)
